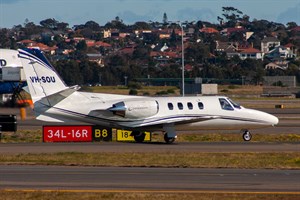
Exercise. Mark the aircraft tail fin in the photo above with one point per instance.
(42, 79)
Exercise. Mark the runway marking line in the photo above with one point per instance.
(152, 191)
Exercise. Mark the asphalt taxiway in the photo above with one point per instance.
(148, 179)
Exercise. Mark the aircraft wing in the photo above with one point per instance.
(170, 120)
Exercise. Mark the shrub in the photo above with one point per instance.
(133, 92)
(134, 85)
(162, 93)
(170, 91)
(232, 87)
(224, 91)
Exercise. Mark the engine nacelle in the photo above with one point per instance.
(136, 109)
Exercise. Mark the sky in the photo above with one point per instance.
(75, 12)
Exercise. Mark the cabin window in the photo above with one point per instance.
(225, 105)
(190, 105)
(170, 105)
(180, 106)
(200, 105)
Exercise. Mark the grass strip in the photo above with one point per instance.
(58, 195)
(36, 136)
(277, 160)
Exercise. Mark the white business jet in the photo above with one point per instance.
(56, 102)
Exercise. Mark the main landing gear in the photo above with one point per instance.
(169, 139)
(247, 135)
(139, 136)
(170, 133)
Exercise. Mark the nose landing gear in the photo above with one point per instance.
(247, 135)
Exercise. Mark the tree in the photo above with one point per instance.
(165, 19)
(62, 26)
(92, 25)
(142, 26)
(4, 40)
(70, 72)
(81, 46)
(117, 23)
(197, 52)
(232, 16)
(140, 52)
(90, 72)
(49, 23)
(291, 25)
(117, 60)
(30, 29)
(173, 38)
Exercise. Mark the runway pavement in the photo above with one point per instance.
(148, 179)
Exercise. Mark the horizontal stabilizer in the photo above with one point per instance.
(54, 99)
(48, 119)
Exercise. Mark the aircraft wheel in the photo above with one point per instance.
(247, 136)
(139, 136)
(169, 140)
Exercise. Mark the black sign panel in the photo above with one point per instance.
(100, 133)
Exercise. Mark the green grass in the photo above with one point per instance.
(278, 160)
(64, 195)
(231, 137)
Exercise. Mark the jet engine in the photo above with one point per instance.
(135, 109)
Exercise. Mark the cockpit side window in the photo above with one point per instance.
(225, 105)
(235, 105)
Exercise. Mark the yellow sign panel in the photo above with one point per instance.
(124, 135)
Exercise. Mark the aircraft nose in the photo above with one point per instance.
(272, 119)
(267, 118)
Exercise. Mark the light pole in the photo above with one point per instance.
(182, 58)
(125, 77)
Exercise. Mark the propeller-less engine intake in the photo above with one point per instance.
(135, 109)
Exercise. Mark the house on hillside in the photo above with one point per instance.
(89, 42)
(295, 29)
(251, 53)
(283, 65)
(229, 31)
(235, 49)
(126, 51)
(269, 43)
(280, 53)
(36, 45)
(26, 43)
(44, 48)
(165, 57)
(78, 39)
(106, 33)
(226, 46)
(209, 30)
(97, 58)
